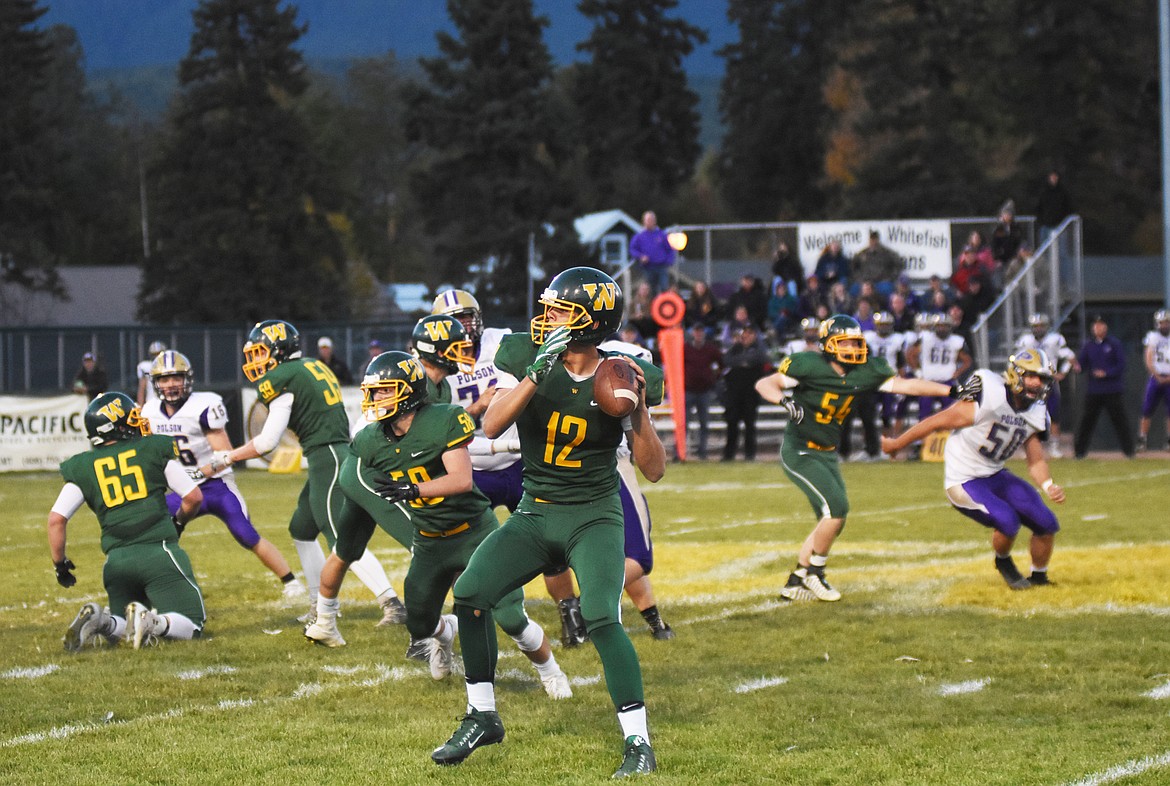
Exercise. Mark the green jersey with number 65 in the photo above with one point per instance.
(417, 456)
(569, 446)
(826, 396)
(318, 417)
(125, 485)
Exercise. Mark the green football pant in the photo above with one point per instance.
(318, 509)
(817, 474)
(158, 575)
(436, 563)
(591, 540)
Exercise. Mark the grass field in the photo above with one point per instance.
(929, 671)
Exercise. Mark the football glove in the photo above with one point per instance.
(553, 346)
(179, 526)
(398, 491)
(793, 408)
(195, 474)
(65, 570)
(221, 459)
(971, 390)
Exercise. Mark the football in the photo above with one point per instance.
(615, 387)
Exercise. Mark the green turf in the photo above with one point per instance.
(929, 671)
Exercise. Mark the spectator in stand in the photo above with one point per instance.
(326, 355)
(752, 296)
(783, 310)
(833, 265)
(909, 296)
(839, 301)
(1053, 207)
(864, 316)
(936, 284)
(374, 348)
(866, 291)
(739, 320)
(1007, 244)
(968, 267)
(702, 365)
(638, 309)
(787, 268)
(981, 250)
(91, 378)
(963, 322)
(702, 307)
(812, 297)
(901, 313)
(1102, 359)
(746, 361)
(651, 249)
(878, 264)
(939, 302)
(977, 299)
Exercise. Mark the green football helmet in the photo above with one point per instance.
(403, 376)
(111, 417)
(170, 363)
(594, 303)
(464, 307)
(269, 344)
(441, 339)
(841, 340)
(1030, 362)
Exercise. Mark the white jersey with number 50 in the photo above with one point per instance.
(200, 413)
(980, 450)
(466, 390)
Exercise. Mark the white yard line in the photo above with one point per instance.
(760, 684)
(1127, 770)
(30, 673)
(959, 688)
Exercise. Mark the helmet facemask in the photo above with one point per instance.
(550, 318)
(1029, 364)
(845, 348)
(375, 408)
(258, 360)
(170, 365)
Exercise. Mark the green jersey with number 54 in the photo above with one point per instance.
(125, 485)
(318, 417)
(828, 397)
(569, 446)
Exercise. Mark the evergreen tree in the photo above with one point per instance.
(242, 210)
(491, 171)
(773, 105)
(638, 119)
(28, 251)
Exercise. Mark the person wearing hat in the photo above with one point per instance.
(335, 363)
(375, 348)
(91, 378)
(1007, 243)
(1102, 360)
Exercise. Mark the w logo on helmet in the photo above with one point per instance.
(438, 330)
(275, 332)
(603, 296)
(413, 368)
(113, 411)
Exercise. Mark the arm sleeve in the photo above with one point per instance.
(69, 501)
(178, 479)
(279, 411)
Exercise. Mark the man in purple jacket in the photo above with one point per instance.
(1102, 359)
(653, 252)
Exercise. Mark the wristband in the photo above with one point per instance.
(1047, 484)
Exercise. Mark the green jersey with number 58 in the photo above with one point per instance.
(125, 485)
(569, 446)
(318, 416)
(828, 397)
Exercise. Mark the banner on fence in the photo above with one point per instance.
(40, 433)
(923, 245)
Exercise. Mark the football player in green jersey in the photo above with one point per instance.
(570, 512)
(818, 389)
(303, 395)
(124, 481)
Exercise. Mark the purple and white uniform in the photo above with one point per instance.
(939, 362)
(890, 348)
(1058, 351)
(1158, 345)
(200, 413)
(976, 481)
(497, 473)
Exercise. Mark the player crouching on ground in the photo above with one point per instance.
(124, 480)
(994, 418)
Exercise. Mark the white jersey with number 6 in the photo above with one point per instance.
(200, 413)
(980, 450)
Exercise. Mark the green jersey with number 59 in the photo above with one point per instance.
(418, 457)
(828, 397)
(318, 417)
(569, 446)
(125, 485)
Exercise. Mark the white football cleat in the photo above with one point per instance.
(819, 587)
(294, 593)
(557, 686)
(393, 612)
(441, 657)
(323, 631)
(87, 628)
(141, 624)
